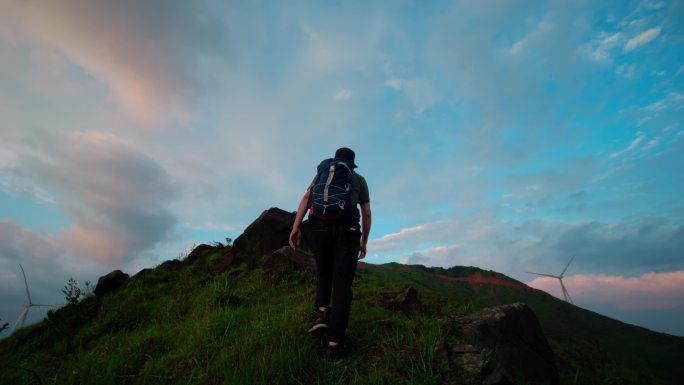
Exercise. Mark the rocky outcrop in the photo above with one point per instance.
(265, 235)
(110, 282)
(511, 345)
(172, 265)
(286, 257)
(406, 302)
(142, 273)
(197, 253)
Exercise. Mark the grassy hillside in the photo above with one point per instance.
(248, 326)
(580, 338)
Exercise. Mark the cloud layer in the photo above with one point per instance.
(651, 291)
(130, 47)
(115, 195)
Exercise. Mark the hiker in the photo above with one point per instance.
(338, 243)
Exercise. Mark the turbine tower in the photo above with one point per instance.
(27, 306)
(560, 278)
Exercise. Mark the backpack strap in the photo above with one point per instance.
(328, 181)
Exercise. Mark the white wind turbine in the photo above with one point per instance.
(27, 306)
(560, 278)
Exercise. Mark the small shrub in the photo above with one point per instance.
(72, 293)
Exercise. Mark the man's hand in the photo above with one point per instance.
(295, 237)
(362, 252)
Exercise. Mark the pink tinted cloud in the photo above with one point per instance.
(115, 43)
(650, 291)
(97, 244)
(115, 195)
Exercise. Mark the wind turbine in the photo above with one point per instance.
(27, 306)
(560, 278)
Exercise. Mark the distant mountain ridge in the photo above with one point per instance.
(237, 314)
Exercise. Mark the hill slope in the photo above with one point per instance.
(221, 317)
(580, 338)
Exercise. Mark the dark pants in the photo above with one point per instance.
(336, 245)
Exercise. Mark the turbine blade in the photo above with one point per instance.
(566, 294)
(21, 319)
(542, 274)
(566, 266)
(28, 294)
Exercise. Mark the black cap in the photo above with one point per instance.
(345, 153)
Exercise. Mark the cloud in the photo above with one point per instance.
(513, 247)
(25, 187)
(640, 136)
(627, 71)
(600, 47)
(394, 83)
(18, 243)
(412, 236)
(144, 52)
(650, 291)
(642, 39)
(115, 195)
(47, 264)
(343, 94)
(435, 256)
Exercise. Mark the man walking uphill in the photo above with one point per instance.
(338, 242)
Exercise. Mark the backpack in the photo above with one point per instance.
(330, 190)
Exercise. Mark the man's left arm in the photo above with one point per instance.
(366, 219)
(295, 234)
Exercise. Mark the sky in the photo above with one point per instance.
(507, 135)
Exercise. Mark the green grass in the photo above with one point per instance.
(248, 326)
(186, 328)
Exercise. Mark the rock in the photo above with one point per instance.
(467, 357)
(408, 302)
(110, 282)
(496, 378)
(286, 257)
(513, 334)
(172, 265)
(265, 235)
(142, 273)
(222, 264)
(198, 252)
(464, 363)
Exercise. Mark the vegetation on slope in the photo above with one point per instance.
(245, 326)
(248, 326)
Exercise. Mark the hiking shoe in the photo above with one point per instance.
(338, 352)
(320, 326)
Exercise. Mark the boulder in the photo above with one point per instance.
(172, 265)
(286, 257)
(467, 357)
(110, 282)
(513, 336)
(142, 273)
(265, 235)
(222, 264)
(408, 303)
(198, 252)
